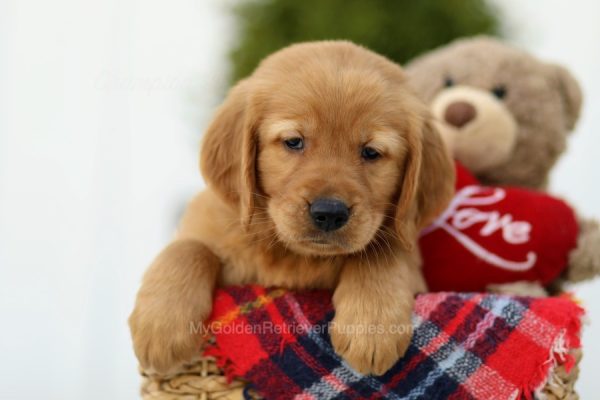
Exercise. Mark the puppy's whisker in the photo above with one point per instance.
(387, 243)
(239, 192)
(390, 234)
(275, 240)
(380, 236)
(256, 235)
(269, 237)
(376, 249)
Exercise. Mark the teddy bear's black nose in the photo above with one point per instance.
(460, 113)
(329, 214)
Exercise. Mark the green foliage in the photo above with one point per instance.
(399, 29)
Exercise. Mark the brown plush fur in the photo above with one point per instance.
(540, 108)
(584, 261)
(251, 225)
(543, 98)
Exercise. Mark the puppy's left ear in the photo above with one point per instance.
(229, 147)
(427, 185)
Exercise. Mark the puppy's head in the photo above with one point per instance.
(326, 142)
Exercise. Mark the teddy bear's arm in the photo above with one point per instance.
(520, 288)
(584, 260)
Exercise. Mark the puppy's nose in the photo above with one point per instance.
(460, 113)
(329, 214)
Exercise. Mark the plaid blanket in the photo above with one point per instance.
(465, 346)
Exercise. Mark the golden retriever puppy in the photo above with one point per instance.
(321, 168)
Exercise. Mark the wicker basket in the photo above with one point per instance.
(203, 380)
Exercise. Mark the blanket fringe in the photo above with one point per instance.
(556, 377)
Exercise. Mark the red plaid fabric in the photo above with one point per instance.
(465, 346)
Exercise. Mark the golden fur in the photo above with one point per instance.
(251, 225)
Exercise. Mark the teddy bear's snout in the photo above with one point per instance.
(460, 113)
(478, 128)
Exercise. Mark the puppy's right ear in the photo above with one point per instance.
(228, 153)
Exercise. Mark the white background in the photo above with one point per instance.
(101, 109)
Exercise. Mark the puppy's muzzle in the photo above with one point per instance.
(329, 214)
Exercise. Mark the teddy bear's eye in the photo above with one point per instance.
(448, 82)
(499, 91)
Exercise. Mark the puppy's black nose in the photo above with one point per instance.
(329, 214)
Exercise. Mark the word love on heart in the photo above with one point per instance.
(462, 214)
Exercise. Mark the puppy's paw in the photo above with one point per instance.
(166, 337)
(370, 347)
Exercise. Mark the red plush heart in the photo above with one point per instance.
(497, 235)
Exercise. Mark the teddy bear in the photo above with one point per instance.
(506, 116)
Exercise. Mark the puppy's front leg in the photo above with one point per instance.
(173, 301)
(373, 304)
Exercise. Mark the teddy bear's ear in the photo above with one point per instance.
(571, 94)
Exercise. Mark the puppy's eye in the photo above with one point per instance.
(369, 153)
(294, 143)
(448, 82)
(499, 91)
